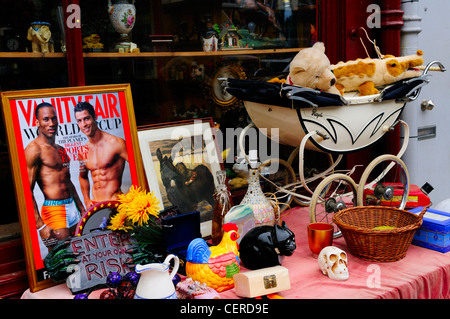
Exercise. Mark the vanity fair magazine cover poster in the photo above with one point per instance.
(68, 162)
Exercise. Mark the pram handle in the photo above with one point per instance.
(413, 95)
(429, 68)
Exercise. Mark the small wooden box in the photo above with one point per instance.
(261, 282)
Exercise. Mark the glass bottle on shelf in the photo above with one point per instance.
(222, 198)
(263, 211)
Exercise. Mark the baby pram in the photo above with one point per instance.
(330, 123)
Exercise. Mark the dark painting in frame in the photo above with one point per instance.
(189, 147)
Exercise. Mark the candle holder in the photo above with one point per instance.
(320, 235)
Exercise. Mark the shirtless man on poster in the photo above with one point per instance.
(105, 158)
(49, 166)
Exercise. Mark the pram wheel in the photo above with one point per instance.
(277, 178)
(334, 193)
(316, 165)
(385, 181)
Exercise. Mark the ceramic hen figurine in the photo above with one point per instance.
(215, 265)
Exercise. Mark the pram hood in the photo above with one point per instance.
(292, 96)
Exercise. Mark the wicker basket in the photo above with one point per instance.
(383, 245)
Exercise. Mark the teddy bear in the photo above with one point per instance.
(365, 75)
(310, 68)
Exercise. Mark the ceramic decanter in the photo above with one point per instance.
(263, 210)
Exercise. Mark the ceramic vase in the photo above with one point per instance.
(263, 210)
(122, 15)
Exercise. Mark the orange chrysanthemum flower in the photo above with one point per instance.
(136, 206)
(129, 197)
(142, 206)
(118, 222)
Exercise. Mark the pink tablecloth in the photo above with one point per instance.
(423, 273)
(60, 291)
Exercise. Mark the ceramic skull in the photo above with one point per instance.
(333, 262)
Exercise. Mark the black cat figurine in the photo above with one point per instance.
(263, 246)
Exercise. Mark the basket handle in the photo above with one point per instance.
(421, 214)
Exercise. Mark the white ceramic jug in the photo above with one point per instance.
(156, 280)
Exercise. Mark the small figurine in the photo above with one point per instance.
(210, 38)
(263, 246)
(92, 42)
(333, 262)
(215, 265)
(39, 34)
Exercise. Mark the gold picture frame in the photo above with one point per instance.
(114, 112)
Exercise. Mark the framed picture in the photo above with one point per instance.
(69, 149)
(181, 160)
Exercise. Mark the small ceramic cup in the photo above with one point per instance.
(320, 235)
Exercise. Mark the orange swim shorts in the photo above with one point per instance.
(60, 213)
